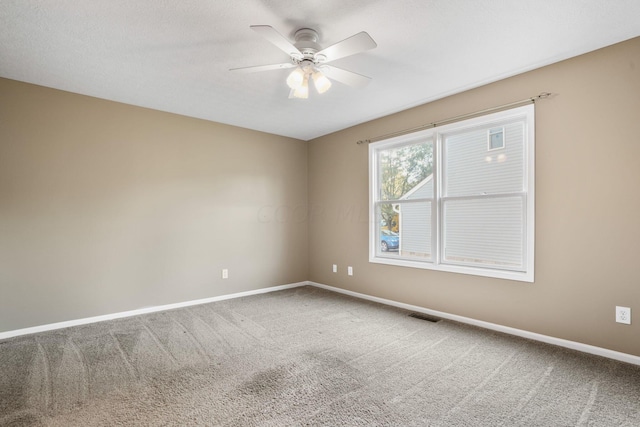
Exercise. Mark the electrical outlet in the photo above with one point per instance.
(623, 315)
(350, 271)
(335, 268)
(225, 273)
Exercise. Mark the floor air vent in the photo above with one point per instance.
(426, 317)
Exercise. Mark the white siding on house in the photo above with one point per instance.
(422, 190)
(479, 228)
(466, 158)
(492, 235)
(494, 228)
(415, 221)
(415, 229)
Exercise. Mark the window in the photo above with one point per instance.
(457, 198)
(496, 138)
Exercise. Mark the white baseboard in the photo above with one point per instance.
(145, 310)
(585, 348)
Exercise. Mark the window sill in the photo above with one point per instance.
(474, 271)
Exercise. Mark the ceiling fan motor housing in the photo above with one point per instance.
(307, 42)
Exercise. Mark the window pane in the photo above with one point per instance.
(388, 227)
(415, 230)
(404, 230)
(496, 138)
(471, 169)
(486, 232)
(401, 169)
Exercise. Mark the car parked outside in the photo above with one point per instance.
(389, 240)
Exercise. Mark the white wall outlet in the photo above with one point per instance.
(350, 271)
(623, 315)
(225, 273)
(335, 268)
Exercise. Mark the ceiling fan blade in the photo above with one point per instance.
(269, 33)
(263, 68)
(343, 76)
(354, 44)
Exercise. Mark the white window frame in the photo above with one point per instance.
(525, 113)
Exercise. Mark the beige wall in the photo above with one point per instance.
(587, 206)
(106, 207)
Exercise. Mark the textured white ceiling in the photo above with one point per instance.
(175, 55)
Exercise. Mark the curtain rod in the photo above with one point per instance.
(531, 100)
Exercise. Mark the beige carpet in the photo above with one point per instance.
(304, 356)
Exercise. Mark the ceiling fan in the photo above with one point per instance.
(310, 60)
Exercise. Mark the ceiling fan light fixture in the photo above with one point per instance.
(321, 82)
(302, 91)
(296, 78)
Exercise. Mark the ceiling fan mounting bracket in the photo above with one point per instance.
(307, 43)
(306, 35)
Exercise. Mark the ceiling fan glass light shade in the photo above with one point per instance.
(303, 90)
(321, 82)
(296, 78)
